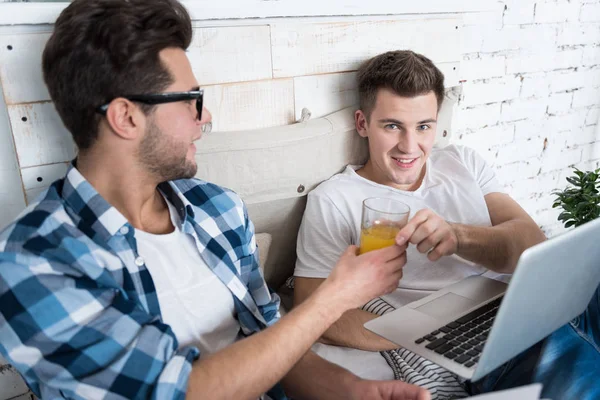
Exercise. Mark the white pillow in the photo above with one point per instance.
(263, 242)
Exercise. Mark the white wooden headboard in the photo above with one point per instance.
(258, 76)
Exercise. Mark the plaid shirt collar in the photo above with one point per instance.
(98, 218)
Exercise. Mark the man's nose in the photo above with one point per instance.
(408, 141)
(206, 116)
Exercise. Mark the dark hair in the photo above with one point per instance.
(103, 49)
(405, 72)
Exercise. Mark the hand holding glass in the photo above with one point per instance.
(381, 220)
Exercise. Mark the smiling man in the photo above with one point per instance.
(462, 223)
(131, 279)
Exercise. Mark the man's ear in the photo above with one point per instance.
(360, 120)
(125, 119)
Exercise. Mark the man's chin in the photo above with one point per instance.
(174, 174)
(405, 181)
(190, 173)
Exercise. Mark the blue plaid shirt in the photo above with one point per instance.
(79, 315)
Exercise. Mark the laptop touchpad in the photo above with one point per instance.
(447, 305)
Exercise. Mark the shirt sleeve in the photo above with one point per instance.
(76, 337)
(324, 235)
(481, 171)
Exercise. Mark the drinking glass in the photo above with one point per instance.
(382, 219)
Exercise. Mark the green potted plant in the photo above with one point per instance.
(581, 201)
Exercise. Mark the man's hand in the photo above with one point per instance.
(430, 233)
(357, 279)
(387, 390)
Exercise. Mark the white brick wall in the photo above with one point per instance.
(590, 12)
(541, 113)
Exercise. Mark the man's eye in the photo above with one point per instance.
(392, 126)
(424, 127)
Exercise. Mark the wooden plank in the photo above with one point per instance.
(32, 195)
(217, 55)
(318, 48)
(8, 159)
(11, 383)
(251, 105)
(231, 54)
(325, 94)
(20, 67)
(208, 9)
(37, 179)
(26, 396)
(30, 13)
(12, 200)
(40, 136)
(46, 13)
(42, 176)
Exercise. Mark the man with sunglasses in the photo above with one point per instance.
(131, 279)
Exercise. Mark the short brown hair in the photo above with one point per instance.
(103, 49)
(404, 72)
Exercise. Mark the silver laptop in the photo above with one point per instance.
(477, 324)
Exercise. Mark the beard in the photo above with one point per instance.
(164, 157)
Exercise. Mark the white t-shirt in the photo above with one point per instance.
(193, 300)
(454, 186)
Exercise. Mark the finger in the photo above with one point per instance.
(425, 230)
(405, 233)
(409, 392)
(431, 241)
(416, 393)
(424, 395)
(397, 278)
(397, 263)
(403, 247)
(351, 250)
(393, 285)
(388, 253)
(444, 248)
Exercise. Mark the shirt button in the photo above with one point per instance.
(139, 261)
(124, 230)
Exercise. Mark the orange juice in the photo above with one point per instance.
(377, 237)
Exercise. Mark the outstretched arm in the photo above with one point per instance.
(262, 360)
(348, 330)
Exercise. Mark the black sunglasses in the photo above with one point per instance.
(161, 98)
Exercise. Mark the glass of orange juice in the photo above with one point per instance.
(381, 220)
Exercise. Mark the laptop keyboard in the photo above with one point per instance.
(462, 340)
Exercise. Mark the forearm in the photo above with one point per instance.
(348, 331)
(260, 361)
(315, 378)
(498, 247)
